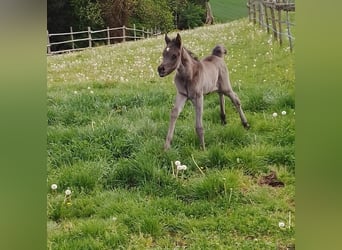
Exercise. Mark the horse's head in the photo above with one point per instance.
(171, 55)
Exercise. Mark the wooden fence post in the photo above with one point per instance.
(143, 32)
(261, 14)
(89, 36)
(72, 38)
(123, 33)
(48, 42)
(274, 25)
(280, 29)
(266, 19)
(249, 10)
(288, 29)
(135, 32)
(108, 36)
(254, 13)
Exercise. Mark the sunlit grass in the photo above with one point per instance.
(108, 114)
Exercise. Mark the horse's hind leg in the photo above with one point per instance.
(222, 109)
(198, 103)
(236, 101)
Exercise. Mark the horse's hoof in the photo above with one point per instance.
(166, 147)
(246, 125)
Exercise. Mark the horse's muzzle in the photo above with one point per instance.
(161, 71)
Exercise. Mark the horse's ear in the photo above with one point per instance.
(178, 40)
(167, 39)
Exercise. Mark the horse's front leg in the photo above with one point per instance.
(198, 103)
(177, 108)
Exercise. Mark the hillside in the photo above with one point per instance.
(228, 10)
(108, 114)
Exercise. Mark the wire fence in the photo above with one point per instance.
(79, 40)
(274, 16)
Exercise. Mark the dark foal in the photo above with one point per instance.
(194, 79)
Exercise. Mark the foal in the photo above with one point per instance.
(194, 79)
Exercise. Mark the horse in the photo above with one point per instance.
(195, 78)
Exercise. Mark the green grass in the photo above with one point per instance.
(108, 115)
(228, 10)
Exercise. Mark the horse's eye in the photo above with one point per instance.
(174, 57)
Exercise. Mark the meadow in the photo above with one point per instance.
(108, 114)
(228, 10)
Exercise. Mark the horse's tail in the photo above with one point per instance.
(219, 51)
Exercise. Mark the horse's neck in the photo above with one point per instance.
(186, 65)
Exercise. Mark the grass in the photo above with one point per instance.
(108, 115)
(228, 10)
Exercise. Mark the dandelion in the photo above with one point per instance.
(91, 92)
(181, 167)
(281, 224)
(67, 192)
(89, 88)
(54, 186)
(67, 198)
(75, 92)
(274, 114)
(283, 112)
(177, 163)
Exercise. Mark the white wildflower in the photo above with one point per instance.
(177, 163)
(54, 186)
(283, 112)
(68, 192)
(281, 224)
(274, 114)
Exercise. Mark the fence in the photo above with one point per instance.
(270, 15)
(67, 42)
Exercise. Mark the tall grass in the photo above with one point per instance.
(108, 114)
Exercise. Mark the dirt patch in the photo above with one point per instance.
(271, 179)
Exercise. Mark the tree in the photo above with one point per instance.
(59, 15)
(191, 16)
(209, 14)
(87, 13)
(116, 13)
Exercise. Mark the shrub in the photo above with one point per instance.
(152, 13)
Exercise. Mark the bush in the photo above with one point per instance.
(191, 17)
(152, 13)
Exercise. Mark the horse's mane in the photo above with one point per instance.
(193, 56)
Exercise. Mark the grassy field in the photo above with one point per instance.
(228, 10)
(108, 114)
